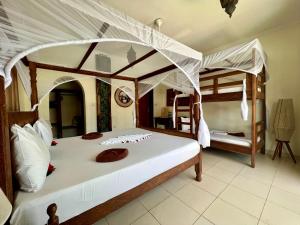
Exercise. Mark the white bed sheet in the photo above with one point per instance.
(242, 141)
(79, 183)
(226, 90)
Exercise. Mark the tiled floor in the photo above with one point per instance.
(231, 193)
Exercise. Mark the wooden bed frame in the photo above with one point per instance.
(7, 180)
(253, 83)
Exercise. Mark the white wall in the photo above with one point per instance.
(121, 117)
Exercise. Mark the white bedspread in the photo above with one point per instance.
(224, 90)
(243, 141)
(79, 183)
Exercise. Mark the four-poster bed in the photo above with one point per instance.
(95, 213)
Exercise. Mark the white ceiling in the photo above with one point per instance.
(203, 24)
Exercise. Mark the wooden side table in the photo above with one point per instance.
(167, 121)
(279, 147)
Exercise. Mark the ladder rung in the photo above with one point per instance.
(185, 123)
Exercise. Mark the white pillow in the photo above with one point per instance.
(43, 128)
(30, 158)
(39, 141)
(185, 127)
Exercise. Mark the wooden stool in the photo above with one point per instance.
(278, 150)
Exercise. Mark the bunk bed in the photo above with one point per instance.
(227, 85)
(39, 32)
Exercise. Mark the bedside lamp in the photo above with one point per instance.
(283, 125)
(5, 208)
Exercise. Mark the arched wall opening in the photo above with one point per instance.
(67, 110)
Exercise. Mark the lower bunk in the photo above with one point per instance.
(237, 142)
(82, 191)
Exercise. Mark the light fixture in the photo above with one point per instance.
(131, 55)
(229, 6)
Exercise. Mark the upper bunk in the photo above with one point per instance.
(230, 74)
(219, 85)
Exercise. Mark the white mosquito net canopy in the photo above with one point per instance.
(247, 57)
(28, 26)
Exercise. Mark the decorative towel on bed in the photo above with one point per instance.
(133, 138)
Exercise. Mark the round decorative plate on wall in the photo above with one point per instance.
(122, 99)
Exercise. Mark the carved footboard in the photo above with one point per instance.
(93, 215)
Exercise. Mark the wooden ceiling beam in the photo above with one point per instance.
(157, 72)
(102, 31)
(82, 72)
(135, 62)
(87, 54)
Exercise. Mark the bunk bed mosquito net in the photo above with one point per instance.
(247, 58)
(28, 26)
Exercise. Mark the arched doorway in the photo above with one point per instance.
(66, 105)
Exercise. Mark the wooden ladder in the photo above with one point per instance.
(189, 109)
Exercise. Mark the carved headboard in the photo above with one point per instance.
(22, 118)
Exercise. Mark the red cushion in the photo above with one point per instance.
(51, 168)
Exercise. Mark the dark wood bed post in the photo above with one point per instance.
(253, 121)
(264, 111)
(33, 81)
(6, 182)
(198, 166)
(137, 114)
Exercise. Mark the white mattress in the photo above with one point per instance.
(79, 183)
(243, 141)
(225, 90)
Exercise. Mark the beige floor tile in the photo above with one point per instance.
(222, 213)
(173, 212)
(231, 165)
(220, 174)
(154, 197)
(264, 175)
(101, 222)
(176, 183)
(211, 185)
(127, 214)
(243, 200)
(195, 197)
(285, 199)
(288, 182)
(147, 219)
(252, 185)
(274, 214)
(203, 221)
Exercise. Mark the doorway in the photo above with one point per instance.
(146, 110)
(66, 105)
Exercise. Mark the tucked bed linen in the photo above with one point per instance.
(230, 139)
(226, 90)
(79, 183)
(243, 141)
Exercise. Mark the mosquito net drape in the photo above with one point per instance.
(247, 57)
(27, 26)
